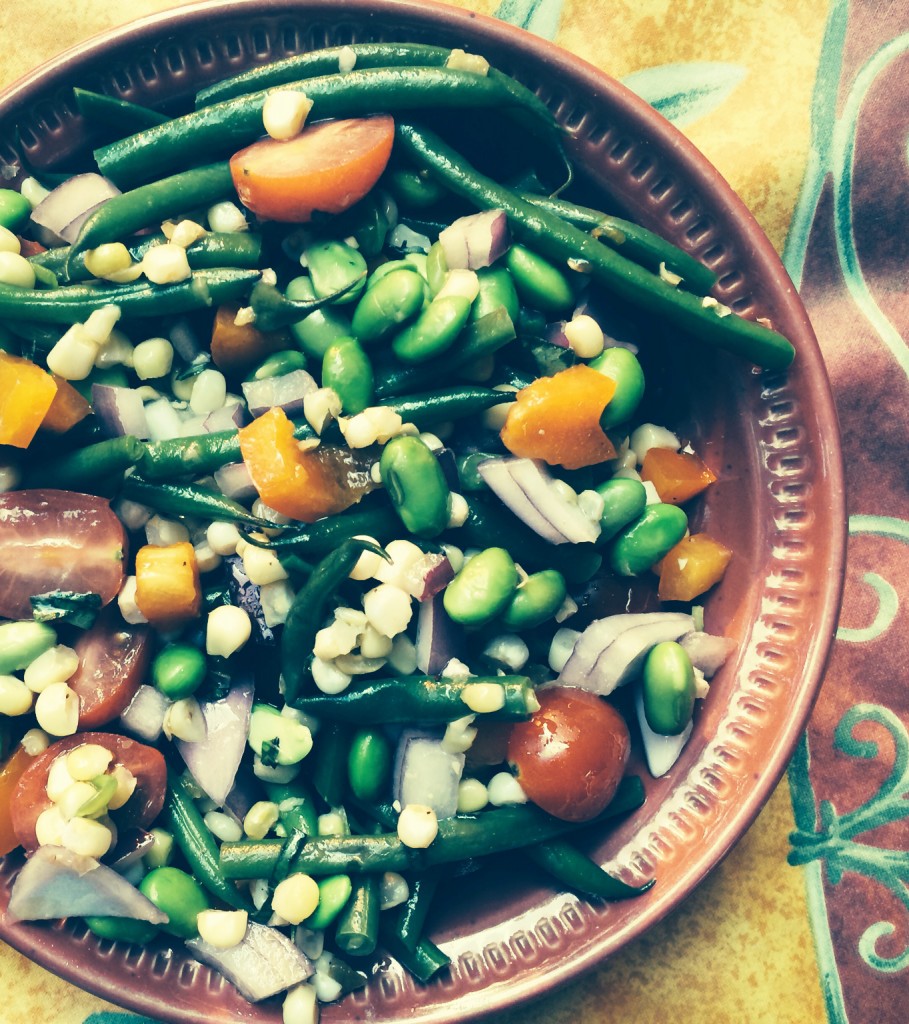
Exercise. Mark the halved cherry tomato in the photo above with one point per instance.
(12, 771)
(113, 661)
(30, 797)
(327, 167)
(57, 540)
(571, 755)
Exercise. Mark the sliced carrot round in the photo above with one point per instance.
(328, 167)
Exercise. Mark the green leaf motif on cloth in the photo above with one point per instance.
(833, 839)
(683, 93)
(117, 1018)
(538, 16)
(887, 597)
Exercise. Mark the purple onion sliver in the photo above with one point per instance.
(228, 417)
(285, 392)
(425, 773)
(438, 638)
(72, 199)
(499, 477)
(120, 411)
(555, 334)
(475, 241)
(185, 340)
(145, 715)
(245, 595)
(234, 481)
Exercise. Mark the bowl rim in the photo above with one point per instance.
(701, 175)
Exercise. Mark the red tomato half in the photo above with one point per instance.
(30, 797)
(113, 660)
(57, 540)
(571, 755)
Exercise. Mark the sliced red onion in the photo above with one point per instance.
(285, 392)
(213, 761)
(427, 774)
(708, 653)
(435, 572)
(132, 844)
(449, 466)
(499, 479)
(245, 791)
(246, 595)
(262, 965)
(228, 417)
(164, 422)
(65, 209)
(555, 334)
(120, 411)
(661, 752)
(145, 715)
(475, 241)
(234, 481)
(439, 637)
(185, 340)
(55, 883)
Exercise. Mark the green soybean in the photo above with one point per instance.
(278, 364)
(346, 368)
(414, 190)
(624, 499)
(334, 892)
(179, 895)
(622, 366)
(336, 267)
(536, 600)
(369, 764)
(482, 589)
(14, 209)
(637, 547)
(539, 284)
(22, 642)
(122, 929)
(436, 267)
(416, 485)
(434, 331)
(668, 688)
(496, 290)
(389, 302)
(316, 331)
(179, 670)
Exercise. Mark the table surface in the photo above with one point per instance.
(802, 107)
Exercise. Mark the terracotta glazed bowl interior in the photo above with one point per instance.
(778, 504)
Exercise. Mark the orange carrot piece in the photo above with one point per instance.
(677, 476)
(237, 348)
(167, 583)
(26, 394)
(66, 410)
(692, 567)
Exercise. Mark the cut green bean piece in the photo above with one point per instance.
(82, 469)
(357, 930)
(575, 870)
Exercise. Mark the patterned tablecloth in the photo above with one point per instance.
(804, 107)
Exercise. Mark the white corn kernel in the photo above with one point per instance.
(279, 773)
(222, 929)
(74, 797)
(166, 264)
(227, 630)
(455, 556)
(458, 511)
(73, 356)
(9, 241)
(585, 337)
(162, 532)
(209, 392)
(35, 741)
(296, 898)
(111, 258)
(403, 655)
(404, 555)
(388, 609)
(115, 350)
(567, 608)
(101, 322)
(472, 796)
(126, 602)
(393, 890)
(55, 665)
(87, 837)
(459, 735)
(320, 407)
(301, 1005)
(16, 270)
(417, 826)
(226, 217)
(484, 698)
(509, 650)
(33, 192)
(374, 644)
(58, 778)
(206, 559)
(126, 786)
(223, 538)
(15, 697)
(184, 720)
(57, 710)
(328, 677)
(460, 60)
(262, 565)
(153, 358)
(503, 788)
(260, 819)
(223, 826)
(334, 640)
(561, 647)
(455, 669)
(627, 473)
(49, 827)
(276, 599)
(369, 563)
(284, 113)
(86, 762)
(650, 435)
(186, 233)
(331, 824)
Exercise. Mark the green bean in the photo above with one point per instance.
(576, 871)
(366, 222)
(668, 688)
(347, 370)
(645, 541)
(318, 329)
(278, 364)
(323, 536)
(115, 113)
(179, 895)
(329, 762)
(14, 209)
(483, 589)
(87, 467)
(357, 930)
(383, 701)
(536, 600)
(434, 331)
(416, 485)
(179, 670)
(22, 642)
(423, 961)
(122, 929)
(334, 893)
(410, 919)
(622, 366)
(432, 407)
(560, 242)
(539, 284)
(296, 806)
(188, 500)
(223, 128)
(388, 302)
(335, 269)
(413, 190)
(623, 501)
(368, 763)
(436, 268)
(274, 309)
(496, 289)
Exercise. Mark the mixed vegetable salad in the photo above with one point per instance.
(311, 457)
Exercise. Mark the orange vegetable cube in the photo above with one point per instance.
(677, 476)
(692, 567)
(26, 394)
(66, 410)
(167, 583)
(236, 348)
(557, 419)
(302, 485)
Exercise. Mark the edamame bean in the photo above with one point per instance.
(367, 223)
(414, 190)
(334, 892)
(346, 368)
(468, 472)
(179, 670)
(622, 366)
(336, 267)
(624, 500)
(416, 485)
(315, 332)
(14, 209)
(436, 267)
(537, 599)
(637, 547)
(668, 688)
(179, 895)
(496, 289)
(22, 642)
(482, 589)
(539, 284)
(389, 302)
(279, 363)
(368, 764)
(434, 331)
(122, 929)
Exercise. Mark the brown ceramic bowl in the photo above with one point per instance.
(779, 504)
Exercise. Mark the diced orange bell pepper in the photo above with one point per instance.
(557, 419)
(167, 583)
(237, 348)
(677, 476)
(692, 567)
(12, 771)
(302, 485)
(66, 410)
(26, 394)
